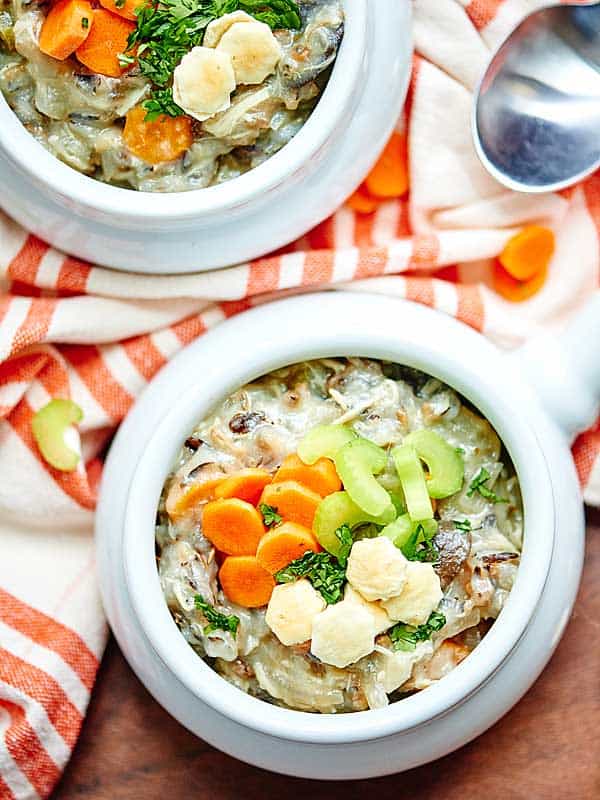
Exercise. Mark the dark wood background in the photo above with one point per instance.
(546, 748)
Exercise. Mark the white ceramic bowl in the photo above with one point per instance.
(243, 218)
(502, 667)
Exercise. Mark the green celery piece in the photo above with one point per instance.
(400, 530)
(356, 464)
(48, 427)
(410, 472)
(444, 462)
(338, 509)
(324, 441)
(398, 501)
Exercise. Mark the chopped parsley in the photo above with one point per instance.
(125, 60)
(325, 573)
(406, 637)
(216, 620)
(85, 23)
(419, 546)
(344, 536)
(463, 525)
(119, 3)
(478, 484)
(269, 515)
(161, 104)
(167, 30)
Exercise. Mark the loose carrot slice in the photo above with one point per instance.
(284, 544)
(294, 502)
(517, 291)
(389, 177)
(66, 27)
(245, 582)
(124, 8)
(528, 252)
(362, 202)
(165, 139)
(106, 41)
(321, 477)
(233, 526)
(180, 499)
(246, 485)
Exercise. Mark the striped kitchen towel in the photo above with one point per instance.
(71, 329)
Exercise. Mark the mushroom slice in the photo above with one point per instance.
(453, 547)
(203, 82)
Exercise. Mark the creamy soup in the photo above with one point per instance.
(339, 534)
(168, 96)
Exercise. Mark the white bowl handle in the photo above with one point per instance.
(564, 369)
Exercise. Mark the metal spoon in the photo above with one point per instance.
(537, 110)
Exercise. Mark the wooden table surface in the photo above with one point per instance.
(546, 748)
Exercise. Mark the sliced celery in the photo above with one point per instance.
(400, 530)
(338, 509)
(49, 425)
(356, 463)
(410, 472)
(398, 501)
(324, 441)
(444, 462)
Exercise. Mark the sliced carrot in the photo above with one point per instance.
(106, 41)
(181, 498)
(517, 291)
(66, 27)
(294, 502)
(321, 477)
(284, 544)
(233, 526)
(164, 139)
(246, 484)
(528, 252)
(389, 177)
(362, 202)
(245, 582)
(124, 8)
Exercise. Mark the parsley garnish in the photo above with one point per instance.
(216, 620)
(463, 525)
(168, 29)
(419, 546)
(119, 3)
(478, 485)
(325, 573)
(125, 60)
(406, 637)
(85, 23)
(269, 515)
(161, 104)
(344, 535)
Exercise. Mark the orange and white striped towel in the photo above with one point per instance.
(72, 329)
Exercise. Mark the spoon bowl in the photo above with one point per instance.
(537, 109)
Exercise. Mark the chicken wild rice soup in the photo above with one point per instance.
(339, 534)
(166, 95)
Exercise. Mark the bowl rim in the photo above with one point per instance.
(54, 176)
(159, 453)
